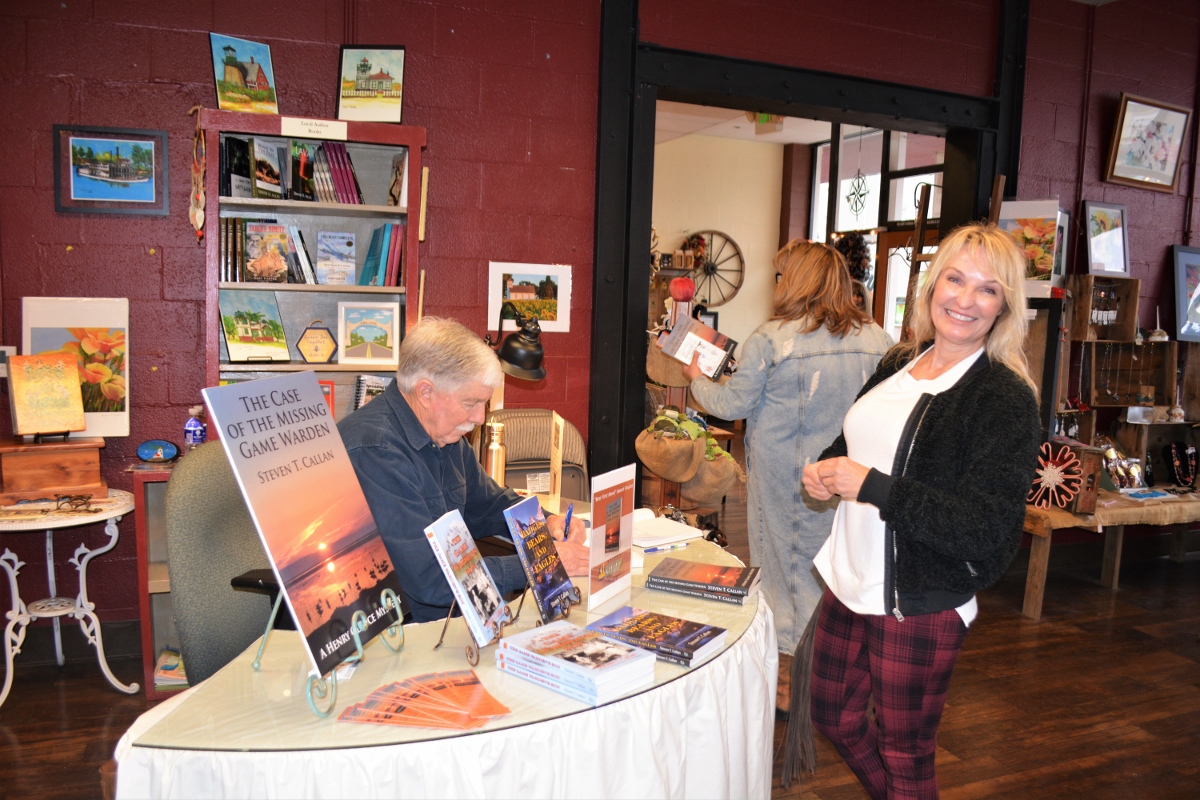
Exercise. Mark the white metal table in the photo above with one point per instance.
(44, 516)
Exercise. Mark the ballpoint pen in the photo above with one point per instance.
(665, 547)
(567, 524)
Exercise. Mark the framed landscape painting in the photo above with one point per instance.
(252, 326)
(370, 83)
(1146, 144)
(243, 74)
(95, 331)
(369, 334)
(110, 171)
(1187, 292)
(540, 290)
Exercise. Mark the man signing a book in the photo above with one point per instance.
(414, 465)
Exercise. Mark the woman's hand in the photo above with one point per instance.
(812, 482)
(692, 370)
(839, 476)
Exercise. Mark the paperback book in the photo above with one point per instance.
(266, 253)
(610, 561)
(548, 580)
(367, 387)
(474, 589)
(168, 671)
(301, 185)
(737, 581)
(722, 597)
(691, 336)
(306, 503)
(237, 161)
(267, 181)
(570, 655)
(672, 639)
(335, 258)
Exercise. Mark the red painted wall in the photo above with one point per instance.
(507, 91)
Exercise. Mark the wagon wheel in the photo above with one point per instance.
(718, 273)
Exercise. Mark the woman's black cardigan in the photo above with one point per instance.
(954, 504)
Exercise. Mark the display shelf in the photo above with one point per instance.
(371, 146)
(1148, 441)
(154, 585)
(254, 286)
(1116, 374)
(1104, 308)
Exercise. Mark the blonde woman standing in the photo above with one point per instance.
(933, 465)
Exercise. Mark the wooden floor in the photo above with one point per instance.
(1101, 699)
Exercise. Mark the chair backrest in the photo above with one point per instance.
(527, 450)
(211, 539)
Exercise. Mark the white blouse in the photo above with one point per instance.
(852, 559)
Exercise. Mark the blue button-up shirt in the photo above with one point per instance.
(409, 483)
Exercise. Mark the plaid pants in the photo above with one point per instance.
(906, 667)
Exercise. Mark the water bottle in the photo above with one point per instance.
(195, 431)
(494, 452)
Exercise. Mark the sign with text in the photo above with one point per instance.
(309, 509)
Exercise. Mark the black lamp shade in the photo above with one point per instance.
(521, 356)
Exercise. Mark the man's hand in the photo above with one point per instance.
(572, 548)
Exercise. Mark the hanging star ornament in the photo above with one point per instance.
(858, 193)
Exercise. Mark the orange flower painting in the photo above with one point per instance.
(1037, 239)
(99, 354)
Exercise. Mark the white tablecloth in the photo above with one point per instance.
(707, 732)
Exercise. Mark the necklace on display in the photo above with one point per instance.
(1183, 478)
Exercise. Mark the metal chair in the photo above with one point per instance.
(527, 450)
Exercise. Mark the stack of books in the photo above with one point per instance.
(671, 639)
(708, 581)
(168, 672)
(579, 663)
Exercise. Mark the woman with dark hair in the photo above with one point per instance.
(797, 375)
(932, 467)
(853, 247)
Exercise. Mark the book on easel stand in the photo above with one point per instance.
(46, 401)
(303, 495)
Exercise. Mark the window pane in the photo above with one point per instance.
(903, 194)
(912, 150)
(858, 178)
(820, 195)
(899, 259)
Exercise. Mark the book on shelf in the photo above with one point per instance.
(323, 180)
(367, 387)
(335, 258)
(300, 187)
(44, 394)
(266, 253)
(346, 169)
(267, 175)
(329, 389)
(697, 575)
(394, 275)
(398, 185)
(309, 510)
(548, 580)
(297, 243)
(237, 162)
(672, 639)
(691, 336)
(169, 672)
(565, 654)
(385, 249)
(474, 589)
(370, 267)
(341, 175)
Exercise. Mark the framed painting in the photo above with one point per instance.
(369, 334)
(252, 326)
(243, 74)
(1107, 242)
(1146, 144)
(95, 331)
(1187, 292)
(370, 83)
(110, 171)
(541, 290)
(1034, 226)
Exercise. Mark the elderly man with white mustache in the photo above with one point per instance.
(408, 451)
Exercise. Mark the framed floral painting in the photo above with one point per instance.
(96, 332)
(1107, 240)
(1146, 144)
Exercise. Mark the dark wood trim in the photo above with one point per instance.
(1010, 89)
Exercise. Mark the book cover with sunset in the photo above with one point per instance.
(741, 581)
(309, 509)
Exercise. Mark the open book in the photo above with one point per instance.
(690, 336)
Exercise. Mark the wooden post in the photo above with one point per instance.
(914, 267)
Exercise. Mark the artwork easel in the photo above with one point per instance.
(318, 688)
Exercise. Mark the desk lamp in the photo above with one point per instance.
(521, 355)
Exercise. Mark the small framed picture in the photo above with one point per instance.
(1146, 145)
(370, 83)
(369, 334)
(1187, 292)
(709, 318)
(243, 74)
(110, 171)
(539, 290)
(1107, 243)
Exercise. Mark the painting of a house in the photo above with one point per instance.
(252, 326)
(372, 83)
(245, 79)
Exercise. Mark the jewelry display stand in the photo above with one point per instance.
(318, 688)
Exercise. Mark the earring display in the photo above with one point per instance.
(1105, 308)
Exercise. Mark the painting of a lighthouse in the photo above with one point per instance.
(371, 83)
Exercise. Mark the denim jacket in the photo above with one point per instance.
(794, 389)
(409, 482)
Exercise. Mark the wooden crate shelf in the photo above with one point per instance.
(1094, 299)
(1128, 374)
